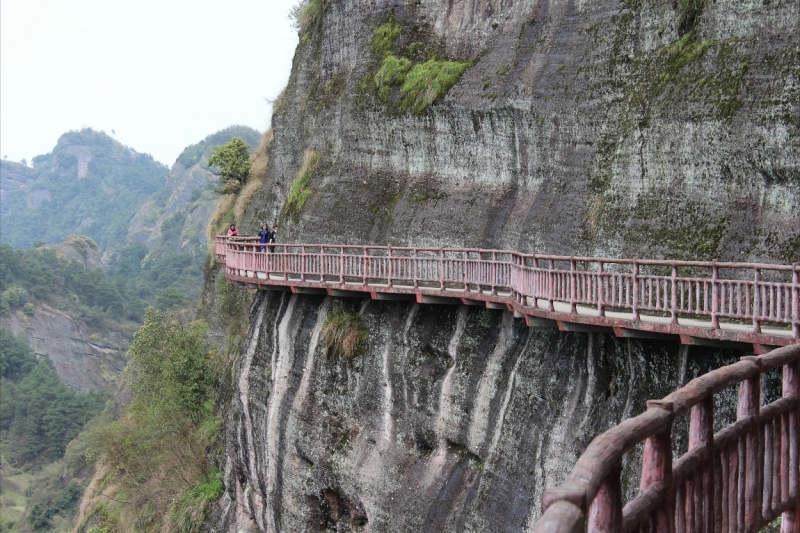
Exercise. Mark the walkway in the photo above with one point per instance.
(738, 479)
(721, 304)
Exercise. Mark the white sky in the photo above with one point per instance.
(162, 73)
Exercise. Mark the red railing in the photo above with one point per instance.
(737, 293)
(739, 479)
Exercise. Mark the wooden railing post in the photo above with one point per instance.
(416, 269)
(796, 301)
(674, 297)
(572, 287)
(464, 263)
(751, 490)
(605, 513)
(790, 520)
(389, 272)
(441, 269)
(701, 433)
(365, 259)
(550, 286)
(302, 262)
(657, 470)
(714, 295)
(341, 265)
(494, 273)
(635, 303)
(601, 286)
(757, 301)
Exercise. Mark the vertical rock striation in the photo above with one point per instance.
(455, 419)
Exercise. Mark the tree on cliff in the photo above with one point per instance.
(233, 161)
(160, 446)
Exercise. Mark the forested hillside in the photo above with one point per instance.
(92, 235)
(90, 184)
(168, 236)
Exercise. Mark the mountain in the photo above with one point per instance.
(177, 221)
(70, 306)
(89, 184)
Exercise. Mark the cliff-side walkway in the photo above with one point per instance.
(698, 302)
(738, 479)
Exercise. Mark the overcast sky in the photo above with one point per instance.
(162, 74)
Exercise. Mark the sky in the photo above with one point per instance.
(162, 74)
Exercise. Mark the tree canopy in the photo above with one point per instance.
(39, 415)
(161, 443)
(233, 161)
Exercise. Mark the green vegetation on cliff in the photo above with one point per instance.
(87, 294)
(403, 79)
(300, 191)
(233, 160)
(306, 15)
(199, 152)
(41, 415)
(160, 477)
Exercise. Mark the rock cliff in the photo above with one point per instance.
(633, 128)
(84, 359)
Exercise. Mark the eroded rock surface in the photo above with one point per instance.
(607, 128)
(84, 360)
(455, 419)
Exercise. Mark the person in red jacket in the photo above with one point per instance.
(232, 231)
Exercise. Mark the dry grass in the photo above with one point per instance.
(219, 222)
(244, 197)
(278, 102)
(260, 158)
(345, 334)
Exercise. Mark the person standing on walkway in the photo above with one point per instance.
(273, 238)
(264, 234)
(232, 231)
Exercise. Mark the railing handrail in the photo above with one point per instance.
(729, 291)
(566, 508)
(254, 241)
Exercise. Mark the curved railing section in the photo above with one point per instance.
(740, 302)
(739, 479)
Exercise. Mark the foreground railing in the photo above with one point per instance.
(737, 293)
(739, 479)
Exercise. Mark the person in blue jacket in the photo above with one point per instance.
(265, 236)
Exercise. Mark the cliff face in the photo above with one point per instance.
(635, 128)
(84, 360)
(613, 128)
(455, 419)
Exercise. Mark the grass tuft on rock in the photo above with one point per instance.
(429, 81)
(392, 72)
(190, 510)
(300, 191)
(384, 37)
(345, 334)
(306, 14)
